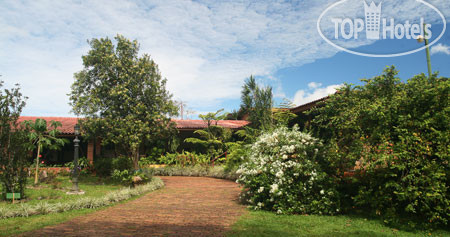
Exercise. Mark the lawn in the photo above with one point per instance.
(54, 190)
(261, 223)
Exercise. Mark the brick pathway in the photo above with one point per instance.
(186, 206)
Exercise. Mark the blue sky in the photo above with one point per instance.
(206, 49)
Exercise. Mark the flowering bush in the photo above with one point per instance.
(283, 174)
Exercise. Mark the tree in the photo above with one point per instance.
(396, 136)
(122, 95)
(41, 137)
(257, 103)
(14, 146)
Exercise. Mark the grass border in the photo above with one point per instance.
(42, 208)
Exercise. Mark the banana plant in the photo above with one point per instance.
(42, 137)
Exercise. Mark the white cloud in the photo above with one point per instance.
(205, 49)
(314, 85)
(314, 92)
(440, 48)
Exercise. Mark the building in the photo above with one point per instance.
(93, 148)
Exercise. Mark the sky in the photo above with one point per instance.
(206, 49)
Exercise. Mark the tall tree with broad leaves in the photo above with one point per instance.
(14, 145)
(42, 137)
(257, 103)
(121, 95)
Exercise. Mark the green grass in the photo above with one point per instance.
(55, 190)
(94, 187)
(18, 225)
(261, 223)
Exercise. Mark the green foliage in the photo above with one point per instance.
(41, 137)
(128, 177)
(284, 174)
(257, 103)
(122, 96)
(83, 164)
(398, 135)
(214, 140)
(185, 159)
(122, 163)
(14, 144)
(238, 155)
(197, 171)
(103, 166)
(283, 115)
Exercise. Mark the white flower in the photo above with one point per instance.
(279, 211)
(273, 188)
(322, 192)
(261, 189)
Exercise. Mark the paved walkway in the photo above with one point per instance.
(186, 206)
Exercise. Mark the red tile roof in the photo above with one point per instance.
(68, 123)
(198, 124)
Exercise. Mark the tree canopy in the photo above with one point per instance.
(121, 95)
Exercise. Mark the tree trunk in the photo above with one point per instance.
(37, 165)
(135, 157)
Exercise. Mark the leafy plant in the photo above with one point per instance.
(14, 144)
(214, 140)
(41, 137)
(396, 135)
(185, 159)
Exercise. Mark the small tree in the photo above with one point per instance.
(257, 103)
(41, 137)
(14, 146)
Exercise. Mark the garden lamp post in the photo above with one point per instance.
(423, 38)
(76, 144)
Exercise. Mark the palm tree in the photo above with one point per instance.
(42, 137)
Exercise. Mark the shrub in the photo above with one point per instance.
(283, 175)
(122, 163)
(103, 166)
(83, 164)
(398, 134)
(185, 159)
(197, 171)
(236, 157)
(128, 177)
